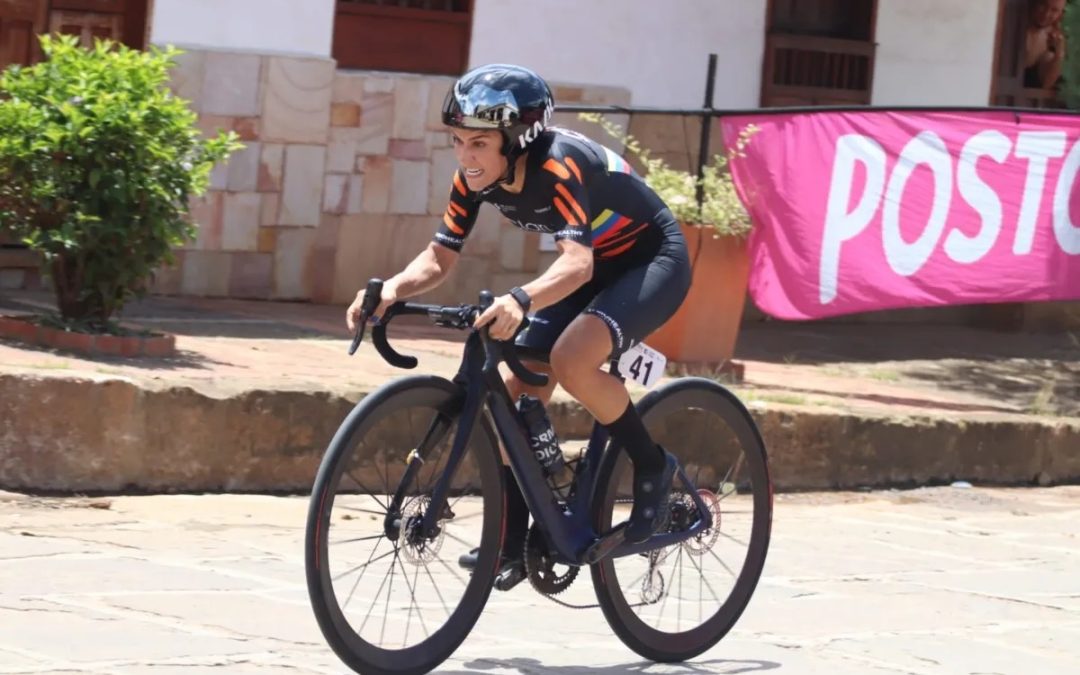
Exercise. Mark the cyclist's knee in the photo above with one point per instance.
(583, 348)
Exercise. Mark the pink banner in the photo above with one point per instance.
(858, 211)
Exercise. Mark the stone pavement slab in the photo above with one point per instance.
(925, 581)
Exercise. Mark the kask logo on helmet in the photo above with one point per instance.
(538, 126)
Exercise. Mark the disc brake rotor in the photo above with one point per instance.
(703, 542)
(415, 548)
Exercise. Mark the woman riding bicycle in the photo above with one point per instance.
(623, 267)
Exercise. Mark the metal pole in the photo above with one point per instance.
(706, 128)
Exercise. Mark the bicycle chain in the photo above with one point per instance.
(557, 601)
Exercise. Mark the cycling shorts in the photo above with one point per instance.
(632, 301)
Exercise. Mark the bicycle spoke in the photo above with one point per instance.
(377, 594)
(457, 538)
(453, 572)
(367, 490)
(663, 605)
(434, 585)
(389, 592)
(723, 564)
(728, 536)
(356, 539)
(678, 609)
(357, 582)
(363, 566)
(703, 579)
(412, 603)
(358, 509)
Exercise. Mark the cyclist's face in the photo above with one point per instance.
(480, 155)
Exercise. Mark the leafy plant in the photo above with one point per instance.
(98, 162)
(721, 209)
(1070, 68)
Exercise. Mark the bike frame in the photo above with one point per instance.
(570, 533)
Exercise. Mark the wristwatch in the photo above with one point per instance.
(522, 298)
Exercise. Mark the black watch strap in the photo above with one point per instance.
(522, 298)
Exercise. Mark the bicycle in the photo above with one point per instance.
(399, 431)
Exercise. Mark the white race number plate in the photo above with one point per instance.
(642, 364)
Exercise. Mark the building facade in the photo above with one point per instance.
(346, 168)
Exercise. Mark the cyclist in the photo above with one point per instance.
(622, 270)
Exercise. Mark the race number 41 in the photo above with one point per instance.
(642, 364)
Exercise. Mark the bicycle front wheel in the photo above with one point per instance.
(389, 599)
(674, 603)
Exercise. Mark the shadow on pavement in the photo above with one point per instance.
(527, 665)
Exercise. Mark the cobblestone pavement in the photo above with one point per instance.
(935, 580)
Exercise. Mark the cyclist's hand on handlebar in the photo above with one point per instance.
(504, 317)
(387, 298)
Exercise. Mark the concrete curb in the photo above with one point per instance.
(114, 435)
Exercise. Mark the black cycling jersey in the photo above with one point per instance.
(575, 189)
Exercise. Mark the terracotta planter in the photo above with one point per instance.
(705, 328)
(24, 329)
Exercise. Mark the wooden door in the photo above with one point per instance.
(20, 23)
(88, 19)
(87, 26)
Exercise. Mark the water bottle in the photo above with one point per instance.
(542, 439)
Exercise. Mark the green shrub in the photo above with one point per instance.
(721, 209)
(98, 162)
(1070, 67)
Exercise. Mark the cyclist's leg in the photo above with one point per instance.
(540, 336)
(623, 313)
(543, 330)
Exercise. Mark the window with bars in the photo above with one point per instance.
(819, 52)
(418, 36)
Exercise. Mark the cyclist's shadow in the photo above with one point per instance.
(531, 666)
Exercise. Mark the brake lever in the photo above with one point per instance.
(372, 298)
(506, 350)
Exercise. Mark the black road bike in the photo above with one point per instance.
(413, 478)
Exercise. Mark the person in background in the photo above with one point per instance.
(1044, 44)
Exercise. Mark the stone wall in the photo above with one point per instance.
(345, 176)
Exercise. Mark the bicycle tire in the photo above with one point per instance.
(356, 652)
(663, 646)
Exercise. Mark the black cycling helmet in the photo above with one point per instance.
(512, 99)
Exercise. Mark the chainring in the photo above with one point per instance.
(540, 566)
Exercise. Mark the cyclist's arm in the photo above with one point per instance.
(425, 272)
(574, 266)
(430, 268)
(570, 271)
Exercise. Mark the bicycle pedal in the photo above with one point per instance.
(604, 545)
(509, 577)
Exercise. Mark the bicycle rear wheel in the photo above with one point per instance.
(388, 599)
(674, 603)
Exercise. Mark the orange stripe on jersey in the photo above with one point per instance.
(616, 251)
(574, 167)
(554, 166)
(459, 185)
(458, 210)
(570, 220)
(451, 224)
(561, 189)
